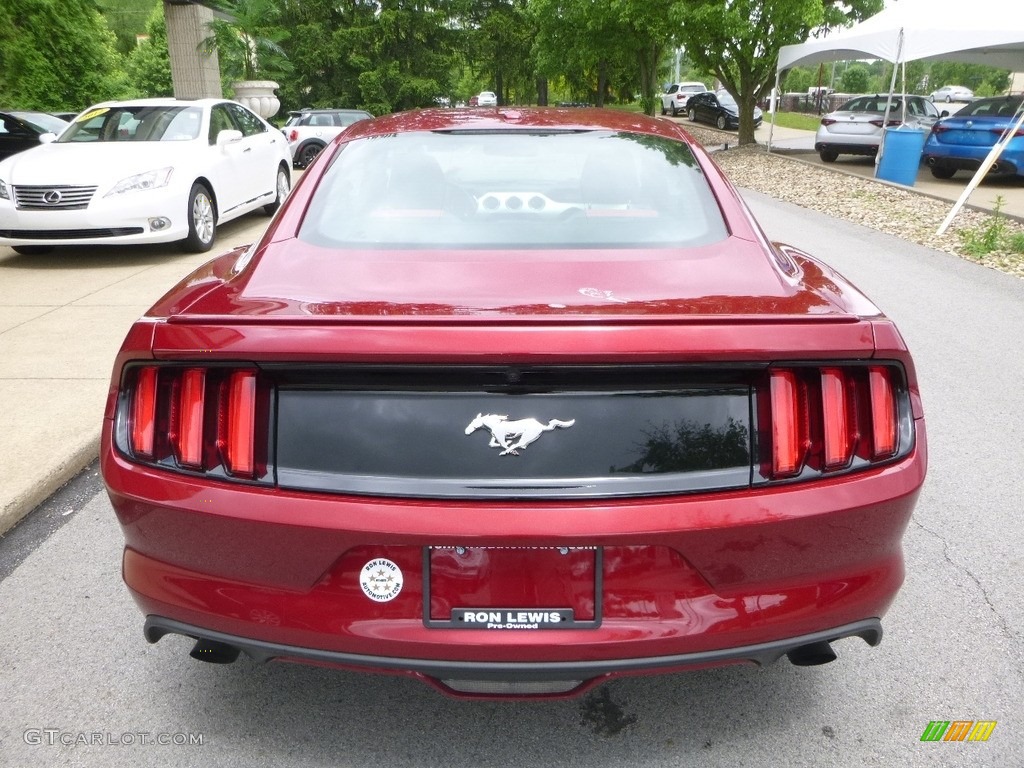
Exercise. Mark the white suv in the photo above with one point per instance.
(309, 130)
(676, 95)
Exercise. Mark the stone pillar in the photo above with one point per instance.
(195, 71)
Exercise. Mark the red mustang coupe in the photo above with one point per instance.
(514, 402)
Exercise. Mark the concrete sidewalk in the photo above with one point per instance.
(63, 317)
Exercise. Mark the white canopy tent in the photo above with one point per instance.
(978, 32)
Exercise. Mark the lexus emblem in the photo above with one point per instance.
(513, 435)
(52, 197)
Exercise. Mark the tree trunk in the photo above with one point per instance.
(542, 91)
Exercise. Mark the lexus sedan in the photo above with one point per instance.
(719, 109)
(487, 99)
(856, 127)
(22, 130)
(514, 402)
(146, 171)
(962, 141)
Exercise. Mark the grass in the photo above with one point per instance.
(797, 120)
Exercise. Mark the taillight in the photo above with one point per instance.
(237, 423)
(891, 123)
(293, 135)
(787, 456)
(883, 413)
(143, 412)
(831, 418)
(828, 121)
(202, 419)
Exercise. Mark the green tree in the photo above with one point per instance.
(57, 56)
(127, 19)
(149, 64)
(979, 78)
(854, 79)
(739, 40)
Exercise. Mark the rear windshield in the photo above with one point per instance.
(1005, 106)
(504, 190)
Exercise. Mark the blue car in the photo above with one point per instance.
(962, 141)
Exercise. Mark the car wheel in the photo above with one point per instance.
(942, 172)
(673, 110)
(307, 154)
(202, 220)
(692, 114)
(663, 110)
(32, 250)
(828, 155)
(720, 122)
(284, 186)
(949, 99)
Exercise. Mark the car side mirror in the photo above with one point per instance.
(228, 136)
(47, 138)
(944, 113)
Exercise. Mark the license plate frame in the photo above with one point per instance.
(509, 619)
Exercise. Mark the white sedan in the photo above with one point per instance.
(487, 99)
(950, 93)
(146, 171)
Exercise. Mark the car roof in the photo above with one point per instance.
(514, 118)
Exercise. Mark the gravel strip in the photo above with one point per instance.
(895, 211)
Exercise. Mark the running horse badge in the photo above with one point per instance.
(513, 435)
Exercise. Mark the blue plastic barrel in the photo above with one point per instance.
(901, 155)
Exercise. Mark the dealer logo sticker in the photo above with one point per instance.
(381, 580)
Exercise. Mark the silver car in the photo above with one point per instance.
(856, 127)
(948, 93)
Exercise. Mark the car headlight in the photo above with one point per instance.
(160, 177)
(4, 194)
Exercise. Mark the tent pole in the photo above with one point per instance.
(888, 104)
(988, 162)
(774, 104)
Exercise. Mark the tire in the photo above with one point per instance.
(673, 110)
(283, 187)
(32, 250)
(663, 110)
(949, 99)
(942, 172)
(307, 154)
(828, 155)
(692, 114)
(720, 122)
(202, 220)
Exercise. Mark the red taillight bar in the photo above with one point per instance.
(239, 436)
(883, 413)
(143, 412)
(836, 413)
(787, 457)
(188, 435)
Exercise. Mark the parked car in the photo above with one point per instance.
(856, 127)
(487, 99)
(20, 130)
(309, 130)
(962, 141)
(146, 171)
(514, 427)
(676, 95)
(719, 109)
(948, 93)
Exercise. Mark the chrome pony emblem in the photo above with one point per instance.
(513, 435)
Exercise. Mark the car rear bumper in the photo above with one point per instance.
(970, 159)
(522, 677)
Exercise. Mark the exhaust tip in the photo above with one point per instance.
(811, 655)
(213, 652)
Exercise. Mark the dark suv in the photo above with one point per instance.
(309, 130)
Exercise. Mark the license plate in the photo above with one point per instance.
(512, 618)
